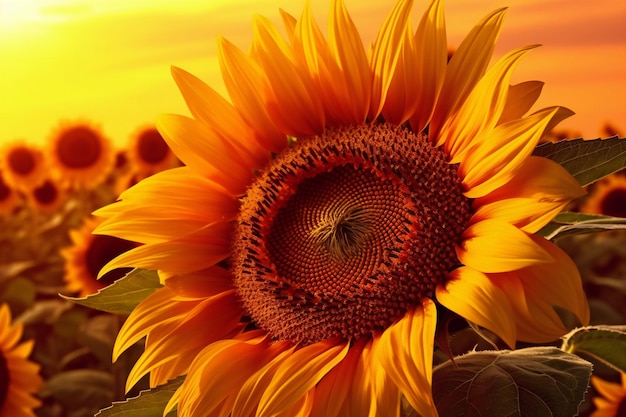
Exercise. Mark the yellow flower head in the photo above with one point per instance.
(607, 196)
(23, 165)
(148, 153)
(19, 377)
(611, 401)
(87, 255)
(48, 197)
(9, 198)
(80, 156)
(330, 205)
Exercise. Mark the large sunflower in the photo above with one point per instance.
(87, 255)
(23, 165)
(331, 207)
(19, 377)
(80, 155)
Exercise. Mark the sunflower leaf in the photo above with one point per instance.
(538, 381)
(123, 295)
(149, 403)
(568, 223)
(587, 160)
(604, 343)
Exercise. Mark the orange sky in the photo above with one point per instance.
(107, 61)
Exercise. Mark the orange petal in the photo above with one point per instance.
(204, 152)
(432, 55)
(532, 197)
(207, 105)
(496, 246)
(346, 47)
(520, 99)
(201, 284)
(298, 374)
(467, 66)
(334, 392)
(193, 252)
(386, 52)
(501, 153)
(294, 104)
(480, 112)
(247, 87)
(471, 295)
(405, 352)
(166, 206)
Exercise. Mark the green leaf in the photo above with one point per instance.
(567, 223)
(80, 388)
(604, 343)
(149, 403)
(587, 160)
(123, 295)
(538, 381)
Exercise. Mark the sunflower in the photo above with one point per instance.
(148, 153)
(87, 255)
(612, 399)
(607, 197)
(48, 197)
(23, 165)
(80, 155)
(19, 377)
(329, 210)
(9, 198)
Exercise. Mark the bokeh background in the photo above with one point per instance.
(108, 60)
(105, 65)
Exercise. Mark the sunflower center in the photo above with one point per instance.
(47, 193)
(614, 203)
(5, 191)
(22, 161)
(79, 147)
(151, 147)
(4, 379)
(342, 233)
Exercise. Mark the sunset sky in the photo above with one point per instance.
(108, 61)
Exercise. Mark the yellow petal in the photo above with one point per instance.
(467, 66)
(386, 52)
(334, 390)
(346, 47)
(294, 105)
(201, 284)
(220, 369)
(501, 153)
(538, 179)
(480, 112)
(198, 328)
(204, 152)
(206, 105)
(496, 246)
(535, 322)
(247, 87)
(561, 114)
(289, 22)
(193, 252)
(471, 295)
(520, 99)
(166, 206)
(405, 352)
(298, 374)
(432, 58)
(387, 395)
(564, 287)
